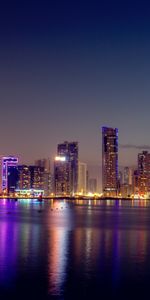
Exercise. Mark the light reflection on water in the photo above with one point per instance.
(74, 249)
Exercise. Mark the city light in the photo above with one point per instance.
(70, 177)
(60, 158)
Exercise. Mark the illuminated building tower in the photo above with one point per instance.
(126, 187)
(47, 176)
(24, 177)
(61, 176)
(9, 174)
(144, 172)
(36, 177)
(110, 161)
(70, 152)
(82, 178)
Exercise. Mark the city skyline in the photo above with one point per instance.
(122, 148)
(74, 149)
(68, 68)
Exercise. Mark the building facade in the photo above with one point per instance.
(144, 173)
(69, 150)
(47, 175)
(36, 177)
(110, 161)
(82, 178)
(61, 176)
(8, 177)
(24, 177)
(126, 188)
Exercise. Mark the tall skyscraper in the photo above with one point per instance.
(82, 178)
(24, 177)
(126, 188)
(70, 152)
(47, 175)
(9, 175)
(144, 172)
(61, 176)
(110, 161)
(36, 177)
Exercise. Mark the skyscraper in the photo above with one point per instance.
(47, 175)
(70, 152)
(9, 174)
(144, 172)
(24, 177)
(36, 177)
(126, 188)
(110, 161)
(61, 176)
(82, 178)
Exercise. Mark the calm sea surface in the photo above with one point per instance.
(74, 250)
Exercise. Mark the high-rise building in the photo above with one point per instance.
(9, 177)
(126, 188)
(47, 175)
(70, 152)
(110, 161)
(24, 177)
(36, 177)
(127, 176)
(12, 179)
(82, 178)
(144, 172)
(61, 176)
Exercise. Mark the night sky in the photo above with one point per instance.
(69, 67)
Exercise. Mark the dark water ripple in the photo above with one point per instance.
(74, 250)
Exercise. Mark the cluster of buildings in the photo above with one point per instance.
(22, 179)
(128, 182)
(68, 176)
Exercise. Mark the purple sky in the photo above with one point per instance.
(69, 68)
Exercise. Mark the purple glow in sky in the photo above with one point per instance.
(70, 67)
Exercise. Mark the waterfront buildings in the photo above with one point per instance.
(9, 174)
(126, 186)
(36, 177)
(71, 177)
(30, 178)
(110, 161)
(24, 177)
(144, 173)
(82, 178)
(66, 168)
(47, 175)
(61, 176)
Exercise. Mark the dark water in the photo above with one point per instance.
(74, 250)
